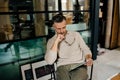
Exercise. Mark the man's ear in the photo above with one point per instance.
(53, 27)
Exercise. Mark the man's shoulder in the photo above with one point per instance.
(52, 38)
(73, 32)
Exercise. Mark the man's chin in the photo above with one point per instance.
(65, 33)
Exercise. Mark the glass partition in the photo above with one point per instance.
(25, 19)
(22, 50)
(15, 54)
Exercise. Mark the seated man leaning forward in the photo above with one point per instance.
(68, 50)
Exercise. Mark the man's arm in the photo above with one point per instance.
(51, 53)
(56, 43)
(89, 60)
(86, 50)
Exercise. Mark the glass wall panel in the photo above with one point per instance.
(14, 54)
(21, 50)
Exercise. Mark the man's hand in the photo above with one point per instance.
(89, 62)
(60, 37)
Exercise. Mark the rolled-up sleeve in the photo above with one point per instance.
(50, 56)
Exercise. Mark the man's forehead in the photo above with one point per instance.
(60, 24)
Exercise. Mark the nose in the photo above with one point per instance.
(61, 30)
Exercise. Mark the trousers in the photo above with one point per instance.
(64, 72)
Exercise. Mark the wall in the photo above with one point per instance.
(115, 26)
(119, 36)
(109, 23)
(119, 25)
(112, 26)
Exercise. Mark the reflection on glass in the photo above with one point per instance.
(86, 35)
(28, 25)
(39, 5)
(14, 51)
(22, 26)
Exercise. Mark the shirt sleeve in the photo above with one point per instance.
(50, 56)
(84, 47)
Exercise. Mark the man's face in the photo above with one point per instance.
(60, 28)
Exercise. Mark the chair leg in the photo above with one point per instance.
(91, 72)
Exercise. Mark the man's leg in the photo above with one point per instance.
(79, 74)
(63, 73)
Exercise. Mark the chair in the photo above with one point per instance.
(42, 71)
